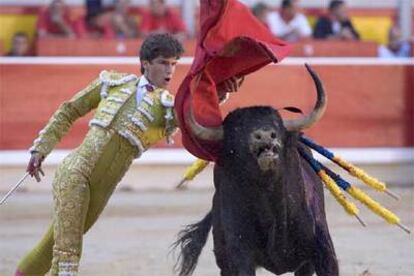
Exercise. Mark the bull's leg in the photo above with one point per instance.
(220, 252)
(235, 231)
(218, 237)
(238, 240)
(307, 269)
(325, 261)
(225, 258)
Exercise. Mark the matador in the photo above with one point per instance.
(132, 114)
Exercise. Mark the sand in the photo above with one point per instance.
(134, 234)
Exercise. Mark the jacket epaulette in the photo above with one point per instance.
(113, 78)
(167, 99)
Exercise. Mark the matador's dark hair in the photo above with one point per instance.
(155, 45)
(286, 4)
(335, 4)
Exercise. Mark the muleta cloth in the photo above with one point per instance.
(232, 43)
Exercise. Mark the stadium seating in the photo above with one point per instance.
(373, 25)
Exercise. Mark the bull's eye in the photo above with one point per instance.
(258, 136)
(273, 135)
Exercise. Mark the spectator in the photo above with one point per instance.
(54, 21)
(396, 47)
(261, 11)
(161, 19)
(98, 20)
(336, 25)
(124, 23)
(20, 45)
(289, 24)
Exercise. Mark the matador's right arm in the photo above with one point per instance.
(61, 121)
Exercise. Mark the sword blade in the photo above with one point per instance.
(14, 188)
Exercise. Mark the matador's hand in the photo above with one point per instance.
(35, 165)
(230, 85)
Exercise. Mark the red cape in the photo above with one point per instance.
(232, 42)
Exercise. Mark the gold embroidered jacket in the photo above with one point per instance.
(113, 96)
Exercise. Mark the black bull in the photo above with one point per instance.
(268, 207)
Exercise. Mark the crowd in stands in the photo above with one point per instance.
(115, 19)
(396, 47)
(109, 20)
(290, 24)
(336, 24)
(55, 21)
(106, 19)
(20, 46)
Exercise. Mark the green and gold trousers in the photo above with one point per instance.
(83, 183)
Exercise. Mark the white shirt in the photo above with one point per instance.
(336, 27)
(141, 89)
(280, 28)
(404, 51)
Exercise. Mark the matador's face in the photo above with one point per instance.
(160, 70)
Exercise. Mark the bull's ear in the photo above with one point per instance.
(293, 109)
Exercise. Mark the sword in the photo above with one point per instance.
(181, 184)
(14, 188)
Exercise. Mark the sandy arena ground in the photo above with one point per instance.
(133, 235)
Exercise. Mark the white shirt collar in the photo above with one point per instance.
(141, 89)
(143, 81)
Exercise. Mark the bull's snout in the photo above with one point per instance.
(265, 145)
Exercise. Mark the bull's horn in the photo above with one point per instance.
(204, 133)
(318, 110)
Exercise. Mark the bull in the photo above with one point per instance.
(268, 206)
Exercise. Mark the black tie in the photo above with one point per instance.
(149, 87)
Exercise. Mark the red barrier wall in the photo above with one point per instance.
(369, 105)
(129, 47)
